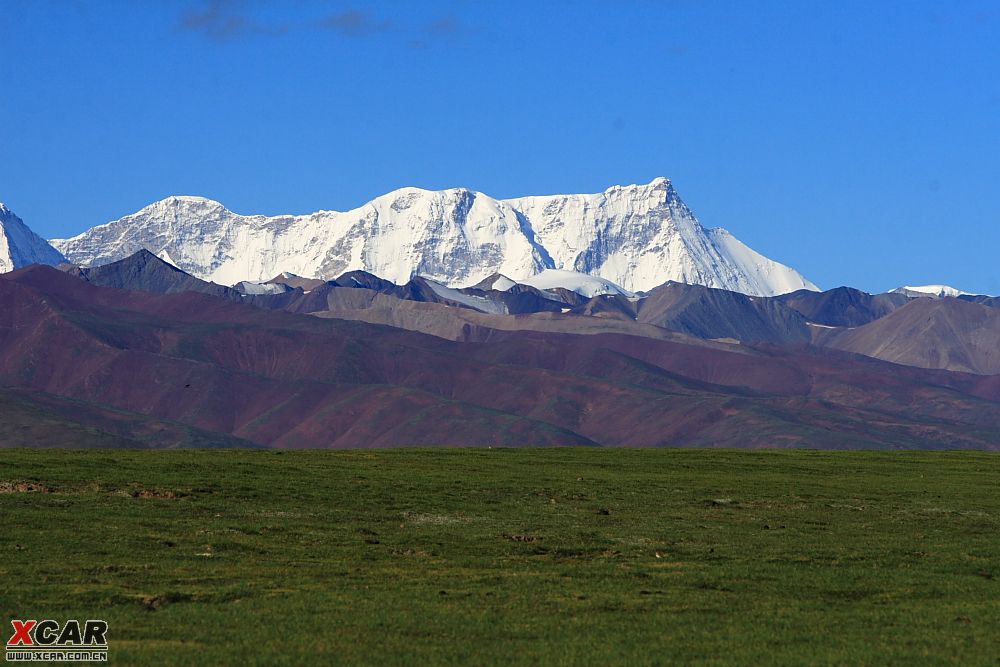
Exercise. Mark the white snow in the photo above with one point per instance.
(477, 302)
(188, 198)
(931, 290)
(165, 256)
(19, 246)
(636, 236)
(254, 287)
(581, 283)
(501, 283)
(641, 236)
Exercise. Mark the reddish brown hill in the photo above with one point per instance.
(37, 419)
(290, 380)
(930, 333)
(714, 313)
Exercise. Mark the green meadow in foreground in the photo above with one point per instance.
(503, 556)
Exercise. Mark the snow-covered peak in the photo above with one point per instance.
(497, 281)
(453, 236)
(191, 199)
(641, 236)
(636, 236)
(173, 212)
(184, 201)
(935, 291)
(660, 185)
(254, 287)
(19, 246)
(581, 283)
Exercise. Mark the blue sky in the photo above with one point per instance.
(856, 141)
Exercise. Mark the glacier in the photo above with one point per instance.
(582, 283)
(635, 236)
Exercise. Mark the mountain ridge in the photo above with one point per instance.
(285, 380)
(637, 236)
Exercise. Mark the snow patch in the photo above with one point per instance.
(254, 287)
(165, 256)
(480, 303)
(938, 291)
(581, 283)
(501, 283)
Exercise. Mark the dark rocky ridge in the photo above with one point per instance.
(146, 272)
(712, 313)
(842, 306)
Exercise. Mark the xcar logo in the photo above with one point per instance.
(49, 641)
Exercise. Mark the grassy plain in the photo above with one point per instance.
(504, 556)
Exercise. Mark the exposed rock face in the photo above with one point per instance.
(146, 272)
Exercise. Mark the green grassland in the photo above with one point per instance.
(502, 556)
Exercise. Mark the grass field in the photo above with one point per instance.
(557, 556)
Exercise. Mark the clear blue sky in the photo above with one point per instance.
(856, 141)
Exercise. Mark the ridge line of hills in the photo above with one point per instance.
(952, 333)
(139, 353)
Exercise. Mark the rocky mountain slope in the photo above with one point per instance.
(146, 272)
(286, 380)
(842, 306)
(719, 314)
(947, 333)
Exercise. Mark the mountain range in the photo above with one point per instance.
(950, 333)
(139, 352)
(636, 236)
(156, 369)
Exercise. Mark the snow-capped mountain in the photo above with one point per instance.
(643, 236)
(452, 236)
(934, 291)
(19, 246)
(637, 236)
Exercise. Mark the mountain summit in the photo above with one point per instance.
(637, 236)
(19, 246)
(932, 291)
